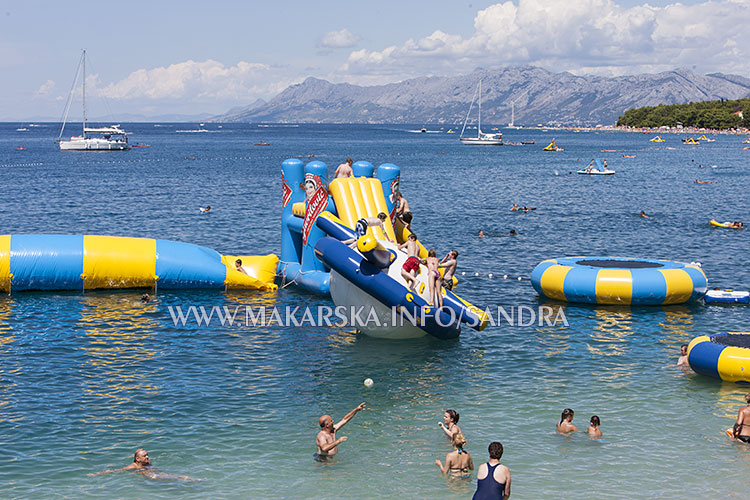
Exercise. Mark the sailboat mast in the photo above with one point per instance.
(479, 119)
(512, 113)
(84, 92)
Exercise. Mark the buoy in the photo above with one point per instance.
(505, 276)
(476, 274)
(519, 278)
(369, 383)
(489, 275)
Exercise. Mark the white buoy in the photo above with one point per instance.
(463, 273)
(489, 275)
(505, 276)
(519, 278)
(476, 274)
(369, 383)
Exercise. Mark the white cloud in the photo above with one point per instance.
(340, 39)
(45, 89)
(191, 80)
(598, 35)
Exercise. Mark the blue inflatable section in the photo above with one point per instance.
(704, 358)
(184, 265)
(46, 261)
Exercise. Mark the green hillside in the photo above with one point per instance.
(706, 114)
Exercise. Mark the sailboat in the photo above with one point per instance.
(92, 139)
(481, 139)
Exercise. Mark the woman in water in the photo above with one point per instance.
(594, 431)
(450, 423)
(565, 425)
(459, 461)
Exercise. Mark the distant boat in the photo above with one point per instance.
(706, 139)
(553, 146)
(21, 149)
(628, 156)
(481, 139)
(528, 142)
(424, 130)
(141, 146)
(450, 131)
(22, 129)
(746, 141)
(92, 139)
(261, 143)
(657, 139)
(690, 140)
(595, 167)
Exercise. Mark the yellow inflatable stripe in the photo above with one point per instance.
(358, 198)
(552, 281)
(679, 286)
(5, 263)
(734, 364)
(614, 286)
(118, 262)
(697, 340)
(260, 269)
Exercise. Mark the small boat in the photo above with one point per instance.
(21, 149)
(261, 143)
(528, 142)
(706, 139)
(724, 224)
(595, 167)
(450, 131)
(726, 297)
(656, 139)
(553, 146)
(746, 141)
(140, 146)
(690, 140)
(609, 150)
(22, 129)
(628, 156)
(423, 130)
(482, 139)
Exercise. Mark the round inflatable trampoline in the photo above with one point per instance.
(725, 356)
(619, 280)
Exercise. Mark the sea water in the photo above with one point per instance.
(86, 378)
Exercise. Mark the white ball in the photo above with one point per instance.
(369, 383)
(476, 274)
(505, 276)
(489, 275)
(519, 278)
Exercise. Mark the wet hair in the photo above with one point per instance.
(459, 440)
(406, 217)
(747, 398)
(595, 421)
(412, 236)
(432, 253)
(145, 298)
(453, 414)
(238, 261)
(139, 450)
(496, 450)
(455, 254)
(382, 216)
(684, 345)
(567, 412)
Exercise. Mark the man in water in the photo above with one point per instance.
(326, 441)
(643, 214)
(145, 298)
(344, 170)
(142, 465)
(683, 360)
(449, 264)
(741, 429)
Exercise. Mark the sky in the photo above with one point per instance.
(164, 57)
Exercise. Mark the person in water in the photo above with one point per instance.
(493, 478)
(736, 224)
(207, 209)
(326, 441)
(344, 170)
(481, 234)
(142, 465)
(741, 428)
(145, 298)
(238, 266)
(683, 359)
(594, 431)
(514, 208)
(643, 214)
(458, 462)
(449, 263)
(450, 423)
(565, 425)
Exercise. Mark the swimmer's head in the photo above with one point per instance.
(238, 263)
(459, 441)
(747, 398)
(595, 422)
(450, 416)
(432, 253)
(496, 450)
(683, 349)
(567, 412)
(325, 421)
(141, 457)
(382, 216)
(455, 253)
(145, 298)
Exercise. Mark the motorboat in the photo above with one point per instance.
(92, 139)
(482, 138)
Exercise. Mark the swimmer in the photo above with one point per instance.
(514, 208)
(643, 214)
(683, 359)
(594, 431)
(326, 442)
(737, 225)
(238, 266)
(741, 428)
(565, 425)
(704, 182)
(411, 267)
(204, 210)
(449, 263)
(459, 461)
(145, 299)
(142, 465)
(344, 170)
(512, 232)
(450, 423)
(493, 478)
(434, 280)
(481, 234)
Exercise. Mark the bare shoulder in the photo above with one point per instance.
(482, 471)
(502, 473)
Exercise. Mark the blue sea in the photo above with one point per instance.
(87, 378)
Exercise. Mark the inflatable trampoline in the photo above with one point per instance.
(725, 356)
(619, 280)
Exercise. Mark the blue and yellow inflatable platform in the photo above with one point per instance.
(725, 356)
(619, 280)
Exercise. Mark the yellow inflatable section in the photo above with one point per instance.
(361, 197)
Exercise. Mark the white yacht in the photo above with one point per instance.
(92, 139)
(482, 138)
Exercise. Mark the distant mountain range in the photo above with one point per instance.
(540, 96)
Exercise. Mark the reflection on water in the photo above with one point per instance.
(613, 326)
(677, 327)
